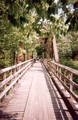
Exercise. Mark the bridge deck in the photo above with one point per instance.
(34, 98)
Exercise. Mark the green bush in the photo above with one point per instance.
(69, 63)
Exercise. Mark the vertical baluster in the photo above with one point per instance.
(4, 77)
(21, 66)
(46, 64)
(57, 68)
(10, 75)
(71, 78)
(15, 72)
(64, 75)
(50, 68)
(59, 73)
(53, 67)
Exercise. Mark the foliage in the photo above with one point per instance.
(70, 63)
(72, 17)
(25, 23)
(73, 37)
(68, 51)
(73, 20)
(17, 11)
(68, 46)
(64, 47)
(40, 51)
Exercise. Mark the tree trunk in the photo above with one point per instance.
(45, 47)
(14, 58)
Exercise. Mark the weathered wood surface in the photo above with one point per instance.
(34, 98)
(14, 74)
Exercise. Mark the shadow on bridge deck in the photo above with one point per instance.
(60, 110)
(34, 98)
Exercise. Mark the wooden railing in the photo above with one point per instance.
(11, 75)
(62, 77)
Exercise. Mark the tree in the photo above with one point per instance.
(20, 20)
(73, 37)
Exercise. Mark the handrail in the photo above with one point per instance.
(11, 75)
(12, 67)
(66, 67)
(62, 77)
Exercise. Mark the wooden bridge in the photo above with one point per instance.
(41, 90)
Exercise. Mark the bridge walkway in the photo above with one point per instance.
(34, 98)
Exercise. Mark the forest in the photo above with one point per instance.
(27, 28)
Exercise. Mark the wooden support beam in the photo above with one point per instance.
(56, 56)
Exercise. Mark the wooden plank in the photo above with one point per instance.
(18, 102)
(32, 110)
(36, 98)
(58, 107)
(14, 66)
(14, 82)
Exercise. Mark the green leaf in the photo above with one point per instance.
(68, 19)
(52, 9)
(7, 2)
(36, 1)
(13, 20)
(23, 19)
(50, 1)
(37, 30)
(64, 2)
(52, 19)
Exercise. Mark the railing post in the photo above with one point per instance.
(53, 67)
(10, 75)
(60, 72)
(14, 73)
(64, 75)
(57, 69)
(71, 78)
(71, 87)
(4, 77)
